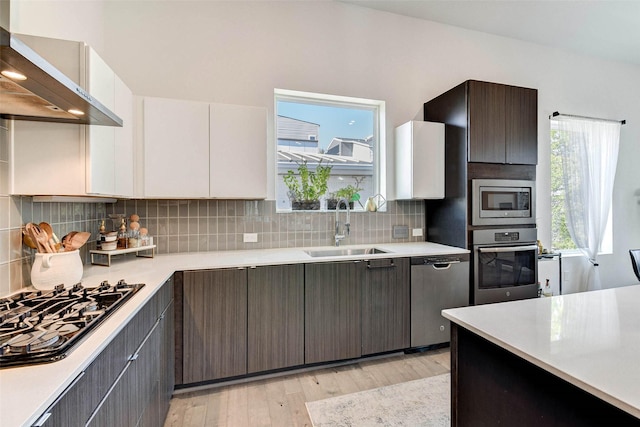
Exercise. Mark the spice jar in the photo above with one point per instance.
(134, 233)
(123, 236)
(144, 237)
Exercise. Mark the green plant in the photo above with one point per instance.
(350, 193)
(307, 185)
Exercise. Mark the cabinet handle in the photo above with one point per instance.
(373, 267)
(40, 422)
(43, 419)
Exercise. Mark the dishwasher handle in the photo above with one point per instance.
(444, 265)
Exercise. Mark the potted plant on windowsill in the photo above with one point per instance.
(350, 193)
(307, 186)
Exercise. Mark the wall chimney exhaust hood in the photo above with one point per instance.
(33, 89)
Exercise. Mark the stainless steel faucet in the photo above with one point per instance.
(347, 225)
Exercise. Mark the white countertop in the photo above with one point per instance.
(26, 392)
(590, 339)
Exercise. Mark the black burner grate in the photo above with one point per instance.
(38, 327)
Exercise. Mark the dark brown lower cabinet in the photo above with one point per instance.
(126, 401)
(120, 387)
(275, 317)
(385, 306)
(332, 311)
(214, 324)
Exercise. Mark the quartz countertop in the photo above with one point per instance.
(26, 392)
(590, 339)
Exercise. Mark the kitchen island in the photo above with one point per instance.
(569, 360)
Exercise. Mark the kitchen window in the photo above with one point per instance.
(560, 237)
(335, 137)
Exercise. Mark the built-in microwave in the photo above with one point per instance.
(503, 202)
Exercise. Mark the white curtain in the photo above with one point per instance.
(589, 159)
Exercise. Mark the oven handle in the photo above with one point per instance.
(509, 249)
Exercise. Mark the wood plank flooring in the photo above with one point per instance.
(280, 401)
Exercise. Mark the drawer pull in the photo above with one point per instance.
(43, 419)
(373, 267)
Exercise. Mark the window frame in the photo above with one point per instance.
(379, 133)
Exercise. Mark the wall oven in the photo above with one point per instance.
(505, 265)
(502, 202)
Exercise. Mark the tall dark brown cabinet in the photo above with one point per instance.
(491, 132)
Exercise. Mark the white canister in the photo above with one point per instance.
(52, 269)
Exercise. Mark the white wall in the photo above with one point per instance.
(238, 52)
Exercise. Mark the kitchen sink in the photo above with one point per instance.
(345, 252)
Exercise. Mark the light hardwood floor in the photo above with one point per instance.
(280, 401)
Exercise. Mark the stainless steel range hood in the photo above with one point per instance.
(46, 94)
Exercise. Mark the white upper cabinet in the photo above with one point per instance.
(419, 160)
(100, 141)
(124, 146)
(47, 159)
(76, 160)
(200, 150)
(238, 152)
(109, 148)
(176, 148)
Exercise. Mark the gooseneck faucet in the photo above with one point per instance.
(347, 225)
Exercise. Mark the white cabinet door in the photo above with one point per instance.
(47, 159)
(238, 152)
(124, 148)
(419, 160)
(176, 148)
(100, 139)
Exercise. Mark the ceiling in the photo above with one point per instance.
(608, 29)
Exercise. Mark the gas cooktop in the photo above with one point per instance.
(43, 326)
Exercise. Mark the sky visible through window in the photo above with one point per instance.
(334, 121)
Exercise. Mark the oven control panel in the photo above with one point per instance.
(512, 236)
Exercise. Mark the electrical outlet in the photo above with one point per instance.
(400, 231)
(250, 237)
(416, 232)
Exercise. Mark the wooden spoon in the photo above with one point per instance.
(66, 240)
(28, 241)
(53, 239)
(40, 237)
(75, 240)
(79, 239)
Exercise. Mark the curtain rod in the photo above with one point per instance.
(555, 113)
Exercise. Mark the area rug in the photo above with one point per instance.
(423, 402)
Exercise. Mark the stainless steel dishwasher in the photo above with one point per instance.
(437, 282)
